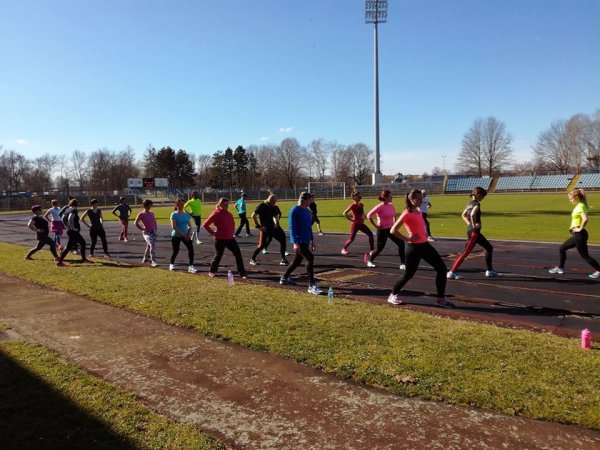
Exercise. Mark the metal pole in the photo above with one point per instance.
(377, 175)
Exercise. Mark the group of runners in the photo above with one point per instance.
(409, 231)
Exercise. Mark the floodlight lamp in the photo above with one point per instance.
(375, 11)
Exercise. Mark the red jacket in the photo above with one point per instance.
(224, 222)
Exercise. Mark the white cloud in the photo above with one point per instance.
(264, 138)
(21, 142)
(286, 130)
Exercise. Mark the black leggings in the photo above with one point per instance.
(579, 241)
(95, 233)
(382, 237)
(43, 240)
(243, 221)
(414, 253)
(75, 239)
(176, 242)
(265, 237)
(232, 245)
(303, 252)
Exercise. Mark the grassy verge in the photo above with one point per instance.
(516, 372)
(47, 403)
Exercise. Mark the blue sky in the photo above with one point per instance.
(204, 75)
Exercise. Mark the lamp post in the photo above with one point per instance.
(376, 12)
(444, 164)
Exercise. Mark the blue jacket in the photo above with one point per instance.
(300, 222)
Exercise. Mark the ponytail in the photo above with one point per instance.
(407, 200)
(580, 195)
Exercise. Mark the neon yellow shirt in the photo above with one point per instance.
(194, 206)
(576, 219)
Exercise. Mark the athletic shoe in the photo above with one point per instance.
(249, 234)
(453, 276)
(283, 262)
(198, 241)
(288, 280)
(264, 251)
(171, 266)
(87, 261)
(445, 303)
(192, 269)
(430, 239)
(558, 270)
(321, 233)
(107, 255)
(125, 240)
(595, 275)
(314, 290)
(236, 235)
(61, 264)
(344, 251)
(394, 300)
(402, 266)
(144, 260)
(29, 258)
(92, 254)
(212, 274)
(253, 262)
(491, 273)
(287, 253)
(371, 264)
(153, 264)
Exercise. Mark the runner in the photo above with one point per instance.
(124, 213)
(579, 238)
(472, 217)
(56, 224)
(64, 217)
(182, 232)
(240, 207)
(223, 237)
(418, 247)
(96, 227)
(146, 222)
(40, 225)
(357, 222)
(314, 216)
(194, 207)
(386, 216)
(424, 211)
(301, 237)
(74, 234)
(268, 214)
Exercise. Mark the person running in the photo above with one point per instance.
(40, 225)
(266, 219)
(579, 235)
(301, 237)
(64, 217)
(56, 224)
(182, 232)
(240, 207)
(194, 207)
(386, 216)
(96, 227)
(222, 233)
(355, 213)
(314, 216)
(124, 212)
(472, 217)
(146, 223)
(424, 211)
(74, 234)
(417, 248)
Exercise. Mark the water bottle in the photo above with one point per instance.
(586, 339)
(230, 278)
(330, 295)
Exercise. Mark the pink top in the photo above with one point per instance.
(149, 221)
(224, 222)
(386, 215)
(415, 226)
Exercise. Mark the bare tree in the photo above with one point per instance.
(80, 168)
(203, 163)
(101, 167)
(125, 166)
(290, 158)
(13, 167)
(341, 166)
(591, 137)
(485, 148)
(266, 165)
(362, 162)
(318, 158)
(551, 151)
(39, 176)
(470, 158)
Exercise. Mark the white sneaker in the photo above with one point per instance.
(314, 289)
(344, 251)
(371, 264)
(153, 264)
(394, 300)
(287, 253)
(198, 241)
(402, 266)
(321, 233)
(453, 276)
(594, 276)
(491, 273)
(558, 270)
(192, 269)
(264, 251)
(171, 266)
(253, 262)
(430, 239)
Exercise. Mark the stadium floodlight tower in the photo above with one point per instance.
(376, 12)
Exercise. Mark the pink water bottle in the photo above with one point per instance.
(586, 339)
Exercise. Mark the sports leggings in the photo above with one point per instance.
(176, 242)
(382, 237)
(232, 245)
(414, 254)
(303, 252)
(475, 237)
(354, 229)
(43, 240)
(264, 239)
(75, 239)
(95, 233)
(579, 241)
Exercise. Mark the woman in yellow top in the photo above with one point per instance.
(194, 207)
(579, 238)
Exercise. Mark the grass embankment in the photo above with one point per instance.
(48, 403)
(518, 372)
